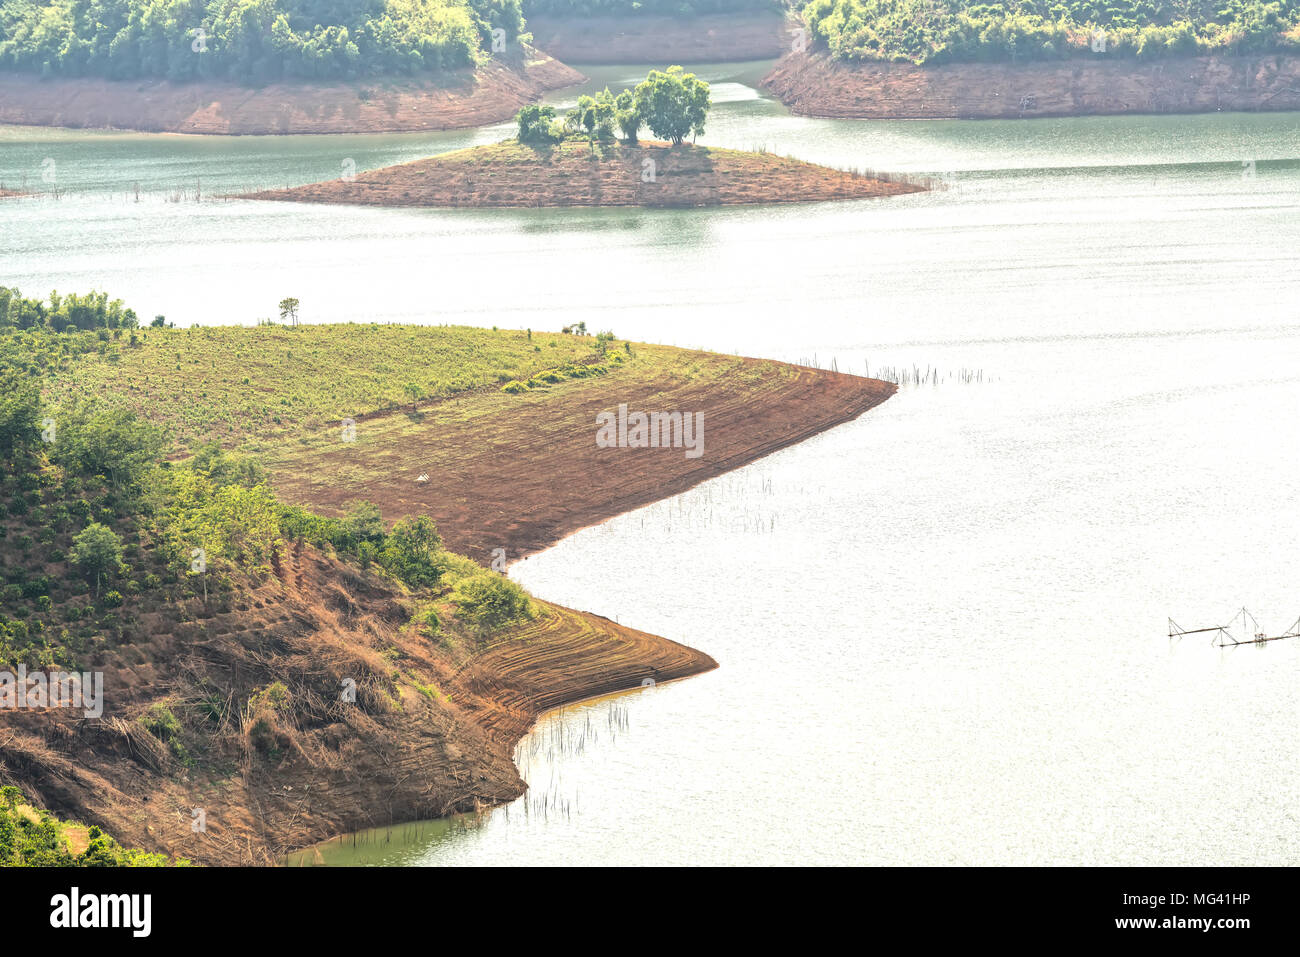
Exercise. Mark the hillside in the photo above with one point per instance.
(932, 32)
(817, 85)
(32, 837)
(487, 94)
(759, 33)
(512, 471)
(252, 43)
(225, 678)
(574, 173)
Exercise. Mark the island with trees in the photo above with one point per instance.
(952, 58)
(594, 155)
(270, 66)
(282, 547)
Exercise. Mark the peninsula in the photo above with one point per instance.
(342, 652)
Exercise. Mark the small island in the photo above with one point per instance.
(580, 160)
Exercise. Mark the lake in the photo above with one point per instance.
(942, 627)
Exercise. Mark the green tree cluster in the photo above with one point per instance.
(488, 602)
(672, 103)
(254, 41)
(90, 311)
(940, 31)
(33, 838)
(653, 8)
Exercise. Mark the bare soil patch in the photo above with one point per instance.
(815, 85)
(492, 93)
(522, 472)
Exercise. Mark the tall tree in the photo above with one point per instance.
(289, 311)
(97, 549)
(674, 103)
(20, 410)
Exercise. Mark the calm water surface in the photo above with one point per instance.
(941, 627)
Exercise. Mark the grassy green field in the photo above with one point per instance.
(257, 386)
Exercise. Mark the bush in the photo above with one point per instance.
(112, 599)
(514, 388)
(426, 620)
(161, 722)
(36, 587)
(488, 601)
(537, 126)
(411, 551)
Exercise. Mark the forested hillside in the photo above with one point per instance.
(938, 31)
(660, 8)
(253, 41)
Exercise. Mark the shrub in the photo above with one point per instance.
(161, 722)
(488, 601)
(112, 599)
(411, 551)
(97, 550)
(426, 620)
(260, 717)
(36, 586)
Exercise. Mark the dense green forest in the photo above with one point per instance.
(655, 8)
(939, 31)
(252, 41)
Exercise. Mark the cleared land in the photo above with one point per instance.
(502, 471)
(432, 732)
(492, 93)
(578, 174)
(815, 85)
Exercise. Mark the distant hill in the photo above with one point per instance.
(261, 42)
(946, 31)
(646, 8)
